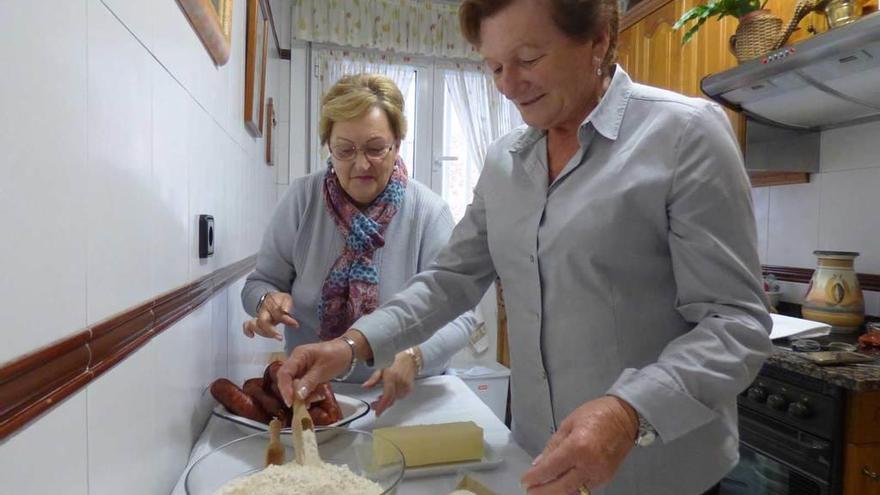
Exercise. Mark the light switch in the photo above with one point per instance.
(206, 236)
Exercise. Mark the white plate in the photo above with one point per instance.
(490, 460)
(351, 408)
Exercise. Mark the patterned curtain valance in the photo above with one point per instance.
(406, 26)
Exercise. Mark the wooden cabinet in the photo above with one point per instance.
(861, 469)
(651, 52)
(861, 457)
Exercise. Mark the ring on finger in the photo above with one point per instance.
(583, 490)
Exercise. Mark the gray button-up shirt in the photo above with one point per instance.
(635, 273)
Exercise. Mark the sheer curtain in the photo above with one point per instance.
(333, 63)
(484, 113)
(481, 115)
(428, 28)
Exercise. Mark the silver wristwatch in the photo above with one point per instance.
(350, 341)
(647, 434)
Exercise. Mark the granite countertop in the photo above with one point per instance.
(851, 377)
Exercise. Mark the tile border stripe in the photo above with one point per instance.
(32, 384)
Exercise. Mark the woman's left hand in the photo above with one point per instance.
(586, 451)
(397, 381)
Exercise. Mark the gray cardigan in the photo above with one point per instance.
(301, 243)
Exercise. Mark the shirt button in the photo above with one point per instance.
(544, 375)
(531, 258)
(552, 430)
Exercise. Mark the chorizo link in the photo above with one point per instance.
(236, 401)
(269, 403)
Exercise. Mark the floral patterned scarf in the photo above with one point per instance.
(352, 287)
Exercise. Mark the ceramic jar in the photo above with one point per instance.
(834, 295)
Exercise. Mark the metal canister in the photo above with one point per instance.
(842, 12)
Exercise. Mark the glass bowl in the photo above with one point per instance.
(339, 446)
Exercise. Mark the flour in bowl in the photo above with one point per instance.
(293, 479)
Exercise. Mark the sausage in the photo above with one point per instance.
(320, 416)
(329, 403)
(236, 401)
(333, 413)
(250, 382)
(270, 379)
(268, 402)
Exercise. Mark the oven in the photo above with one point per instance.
(791, 437)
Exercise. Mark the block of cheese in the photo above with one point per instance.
(423, 445)
(470, 486)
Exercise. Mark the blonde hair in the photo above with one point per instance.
(352, 96)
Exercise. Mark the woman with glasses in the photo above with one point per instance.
(344, 240)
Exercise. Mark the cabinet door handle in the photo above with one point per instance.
(870, 474)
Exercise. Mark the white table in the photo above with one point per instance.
(437, 399)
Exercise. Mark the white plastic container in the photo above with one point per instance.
(489, 381)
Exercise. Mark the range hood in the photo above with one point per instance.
(827, 81)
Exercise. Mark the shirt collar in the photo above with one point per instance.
(605, 118)
(608, 114)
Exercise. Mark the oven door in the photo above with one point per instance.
(757, 474)
(776, 460)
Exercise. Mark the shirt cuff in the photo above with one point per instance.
(376, 328)
(670, 411)
(434, 360)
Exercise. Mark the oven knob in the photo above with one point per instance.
(800, 409)
(757, 393)
(776, 401)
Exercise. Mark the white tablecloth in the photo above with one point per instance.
(437, 399)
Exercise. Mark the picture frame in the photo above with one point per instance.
(255, 66)
(270, 131)
(212, 22)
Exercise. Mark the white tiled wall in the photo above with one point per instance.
(119, 166)
(57, 443)
(116, 132)
(837, 210)
(42, 172)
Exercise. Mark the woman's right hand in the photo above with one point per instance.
(312, 364)
(275, 309)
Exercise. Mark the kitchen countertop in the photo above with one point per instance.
(436, 399)
(853, 378)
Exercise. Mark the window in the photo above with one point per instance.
(460, 170)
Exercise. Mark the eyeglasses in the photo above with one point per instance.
(372, 152)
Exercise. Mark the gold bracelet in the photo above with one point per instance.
(416, 356)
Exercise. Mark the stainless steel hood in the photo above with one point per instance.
(827, 81)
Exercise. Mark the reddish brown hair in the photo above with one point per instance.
(580, 20)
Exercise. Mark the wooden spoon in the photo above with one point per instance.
(304, 444)
(274, 451)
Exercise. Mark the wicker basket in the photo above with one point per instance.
(757, 34)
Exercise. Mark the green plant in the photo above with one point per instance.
(716, 8)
